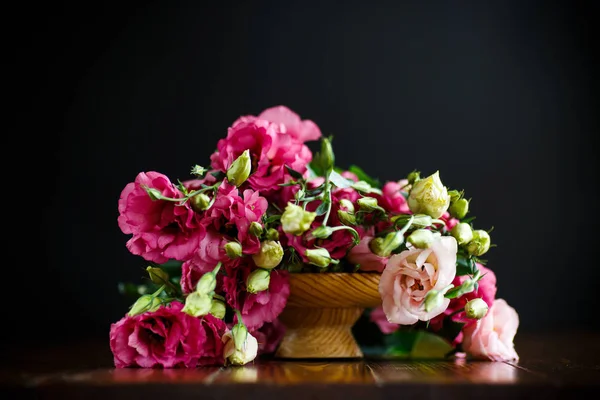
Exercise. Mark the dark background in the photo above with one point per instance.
(501, 97)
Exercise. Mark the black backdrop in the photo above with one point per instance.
(501, 97)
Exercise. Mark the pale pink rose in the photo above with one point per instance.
(289, 122)
(491, 338)
(161, 230)
(362, 255)
(410, 275)
(167, 338)
(378, 317)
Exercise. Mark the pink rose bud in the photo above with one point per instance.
(459, 208)
(462, 232)
(197, 304)
(476, 308)
(429, 196)
(258, 280)
(233, 250)
(200, 202)
(269, 256)
(480, 243)
(240, 169)
(295, 220)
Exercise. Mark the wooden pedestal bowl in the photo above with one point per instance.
(320, 313)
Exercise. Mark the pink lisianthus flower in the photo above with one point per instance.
(290, 123)
(269, 336)
(270, 150)
(231, 215)
(491, 338)
(393, 198)
(161, 229)
(378, 316)
(262, 307)
(362, 255)
(411, 274)
(210, 252)
(167, 338)
(449, 220)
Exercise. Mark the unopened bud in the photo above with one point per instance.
(200, 202)
(322, 232)
(272, 234)
(384, 246)
(269, 256)
(476, 308)
(299, 194)
(413, 177)
(433, 300)
(157, 275)
(207, 283)
(319, 257)
(454, 195)
(240, 169)
(218, 308)
(258, 280)
(368, 204)
(421, 238)
(237, 351)
(233, 250)
(422, 221)
(429, 196)
(462, 232)
(480, 243)
(362, 186)
(198, 170)
(154, 194)
(197, 304)
(346, 205)
(346, 217)
(326, 156)
(143, 304)
(256, 228)
(459, 208)
(296, 220)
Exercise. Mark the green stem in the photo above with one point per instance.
(407, 226)
(328, 193)
(159, 291)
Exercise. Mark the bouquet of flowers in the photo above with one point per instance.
(220, 247)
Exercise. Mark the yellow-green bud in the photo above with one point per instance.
(154, 194)
(476, 308)
(454, 195)
(319, 257)
(368, 204)
(239, 332)
(198, 170)
(197, 304)
(143, 304)
(433, 300)
(462, 232)
(421, 238)
(480, 243)
(240, 347)
(362, 186)
(258, 280)
(296, 220)
(346, 217)
(322, 232)
(422, 221)
(299, 194)
(157, 275)
(200, 202)
(429, 196)
(459, 208)
(346, 205)
(272, 234)
(383, 246)
(206, 284)
(218, 308)
(269, 256)
(240, 169)
(413, 177)
(233, 250)
(256, 228)
(326, 157)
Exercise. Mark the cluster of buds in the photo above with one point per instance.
(151, 302)
(476, 241)
(202, 301)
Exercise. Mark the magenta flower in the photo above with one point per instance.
(289, 122)
(161, 229)
(167, 338)
(393, 198)
(269, 336)
(210, 252)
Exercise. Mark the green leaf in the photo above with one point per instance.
(312, 172)
(417, 344)
(323, 207)
(339, 180)
(362, 176)
(293, 173)
(465, 265)
(218, 174)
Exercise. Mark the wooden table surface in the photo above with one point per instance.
(552, 366)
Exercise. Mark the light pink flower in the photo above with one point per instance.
(362, 255)
(393, 198)
(167, 338)
(161, 229)
(379, 318)
(449, 220)
(211, 251)
(410, 275)
(289, 122)
(491, 338)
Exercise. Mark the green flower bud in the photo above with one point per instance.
(233, 250)
(433, 300)
(296, 220)
(269, 256)
(422, 221)
(157, 275)
(256, 228)
(368, 204)
(459, 208)
(476, 308)
(198, 171)
(154, 194)
(480, 243)
(299, 194)
(413, 177)
(346, 218)
(462, 232)
(200, 202)
(143, 304)
(272, 234)
(322, 232)
(362, 186)
(239, 332)
(240, 346)
(207, 283)
(197, 304)
(429, 196)
(218, 308)
(240, 169)
(346, 205)
(454, 195)
(319, 257)
(384, 246)
(421, 238)
(326, 157)
(258, 280)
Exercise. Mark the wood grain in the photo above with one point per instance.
(320, 313)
